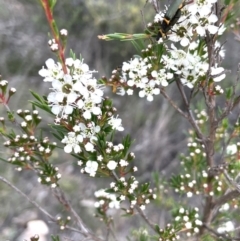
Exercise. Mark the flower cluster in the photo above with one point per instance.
(31, 153)
(76, 89)
(189, 64)
(86, 119)
(106, 198)
(108, 164)
(197, 18)
(139, 72)
(190, 219)
(122, 190)
(78, 92)
(79, 133)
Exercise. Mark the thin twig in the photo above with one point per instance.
(43, 210)
(226, 198)
(213, 124)
(225, 145)
(231, 181)
(219, 235)
(30, 200)
(190, 116)
(182, 92)
(172, 103)
(60, 195)
(234, 101)
(146, 219)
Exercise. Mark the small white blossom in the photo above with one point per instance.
(64, 32)
(89, 147)
(226, 227)
(123, 163)
(116, 123)
(217, 74)
(72, 142)
(100, 158)
(53, 71)
(188, 225)
(231, 149)
(91, 168)
(112, 165)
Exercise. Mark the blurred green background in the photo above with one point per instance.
(158, 131)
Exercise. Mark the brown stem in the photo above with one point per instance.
(190, 116)
(226, 198)
(59, 194)
(219, 235)
(52, 218)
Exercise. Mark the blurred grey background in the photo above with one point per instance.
(159, 133)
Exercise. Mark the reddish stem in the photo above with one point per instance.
(50, 19)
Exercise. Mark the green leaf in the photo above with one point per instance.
(52, 3)
(3, 160)
(225, 123)
(56, 238)
(72, 54)
(123, 36)
(11, 116)
(41, 102)
(229, 93)
(157, 229)
(227, 2)
(139, 46)
(55, 27)
(145, 187)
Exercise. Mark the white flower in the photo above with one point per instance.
(198, 222)
(116, 123)
(217, 73)
(72, 142)
(112, 165)
(130, 92)
(149, 90)
(88, 131)
(114, 203)
(120, 91)
(89, 147)
(69, 62)
(226, 227)
(181, 210)
(64, 32)
(225, 207)
(231, 149)
(142, 207)
(123, 163)
(188, 225)
(196, 230)
(189, 194)
(91, 168)
(56, 106)
(100, 158)
(136, 70)
(63, 97)
(159, 17)
(53, 71)
(81, 70)
(100, 193)
(135, 169)
(221, 29)
(89, 108)
(161, 77)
